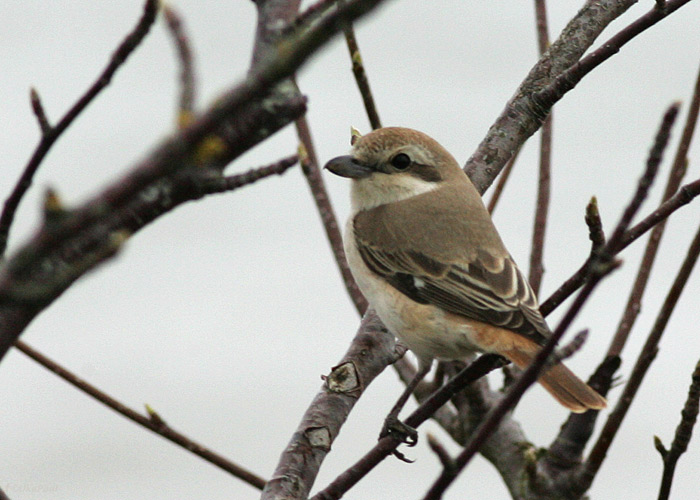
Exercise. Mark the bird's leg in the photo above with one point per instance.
(392, 424)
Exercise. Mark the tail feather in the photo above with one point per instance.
(563, 384)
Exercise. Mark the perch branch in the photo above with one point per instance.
(386, 445)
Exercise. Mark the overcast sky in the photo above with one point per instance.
(224, 314)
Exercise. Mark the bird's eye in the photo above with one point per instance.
(401, 161)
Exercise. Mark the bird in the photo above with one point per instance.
(424, 251)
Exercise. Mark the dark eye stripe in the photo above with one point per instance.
(426, 173)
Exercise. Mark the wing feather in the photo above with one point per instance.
(495, 293)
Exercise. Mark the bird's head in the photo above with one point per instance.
(392, 164)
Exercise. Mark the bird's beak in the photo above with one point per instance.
(347, 166)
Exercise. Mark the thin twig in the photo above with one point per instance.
(684, 432)
(502, 179)
(39, 112)
(544, 182)
(358, 69)
(231, 182)
(155, 425)
(644, 360)
(48, 138)
(675, 176)
(595, 225)
(685, 195)
(186, 105)
(313, 176)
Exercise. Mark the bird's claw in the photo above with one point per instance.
(395, 427)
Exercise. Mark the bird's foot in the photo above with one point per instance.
(405, 433)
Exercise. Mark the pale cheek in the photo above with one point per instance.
(380, 189)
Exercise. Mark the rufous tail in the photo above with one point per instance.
(563, 384)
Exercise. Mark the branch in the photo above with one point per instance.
(644, 360)
(51, 134)
(552, 77)
(675, 176)
(358, 70)
(518, 120)
(543, 185)
(386, 445)
(220, 184)
(242, 112)
(154, 424)
(186, 105)
(372, 350)
(684, 433)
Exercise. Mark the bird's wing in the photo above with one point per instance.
(493, 292)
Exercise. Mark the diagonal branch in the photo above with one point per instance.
(552, 77)
(155, 425)
(51, 134)
(372, 350)
(644, 360)
(676, 173)
(387, 444)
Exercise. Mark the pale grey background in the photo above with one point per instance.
(224, 314)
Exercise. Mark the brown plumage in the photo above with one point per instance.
(427, 256)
